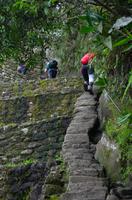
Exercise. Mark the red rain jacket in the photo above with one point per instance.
(87, 57)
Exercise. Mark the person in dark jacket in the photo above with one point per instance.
(22, 68)
(52, 69)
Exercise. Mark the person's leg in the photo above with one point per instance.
(91, 75)
(84, 72)
(49, 73)
(91, 81)
(54, 73)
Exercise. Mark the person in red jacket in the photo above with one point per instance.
(87, 71)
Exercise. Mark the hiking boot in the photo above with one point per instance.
(90, 89)
(85, 86)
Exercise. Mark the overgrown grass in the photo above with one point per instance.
(118, 127)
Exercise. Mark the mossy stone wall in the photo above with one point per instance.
(37, 141)
(42, 100)
(32, 128)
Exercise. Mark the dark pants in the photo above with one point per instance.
(52, 73)
(84, 71)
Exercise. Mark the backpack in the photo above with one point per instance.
(53, 64)
(91, 69)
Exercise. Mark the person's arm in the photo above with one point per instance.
(45, 70)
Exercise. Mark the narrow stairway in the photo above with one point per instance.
(86, 179)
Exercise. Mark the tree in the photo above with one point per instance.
(26, 25)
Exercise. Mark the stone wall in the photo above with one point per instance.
(32, 140)
(45, 106)
(32, 129)
(28, 148)
(42, 100)
(25, 182)
(107, 151)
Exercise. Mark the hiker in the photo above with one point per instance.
(52, 69)
(22, 68)
(87, 71)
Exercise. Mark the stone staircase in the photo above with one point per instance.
(35, 139)
(86, 179)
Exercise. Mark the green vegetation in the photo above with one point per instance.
(63, 168)
(118, 127)
(54, 197)
(59, 159)
(56, 183)
(23, 163)
(25, 195)
(2, 124)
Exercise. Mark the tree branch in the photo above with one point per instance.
(106, 7)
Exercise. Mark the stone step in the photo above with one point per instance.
(85, 103)
(81, 130)
(78, 129)
(90, 102)
(74, 171)
(84, 195)
(75, 151)
(80, 163)
(85, 99)
(84, 117)
(88, 123)
(91, 186)
(79, 187)
(75, 161)
(75, 143)
(84, 108)
(88, 179)
(77, 139)
(67, 145)
(70, 157)
(82, 137)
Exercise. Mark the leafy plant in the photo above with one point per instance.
(24, 162)
(124, 118)
(128, 85)
(118, 128)
(54, 197)
(101, 82)
(59, 159)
